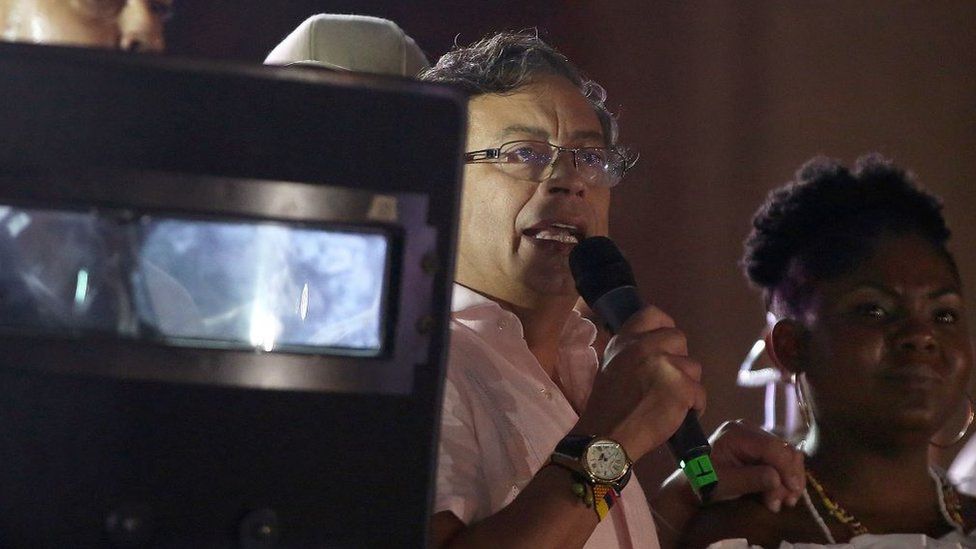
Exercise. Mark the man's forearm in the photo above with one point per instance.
(545, 514)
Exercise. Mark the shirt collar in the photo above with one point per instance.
(576, 330)
(465, 298)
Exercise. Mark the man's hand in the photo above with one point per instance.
(647, 386)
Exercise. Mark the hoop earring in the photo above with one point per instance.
(801, 402)
(970, 415)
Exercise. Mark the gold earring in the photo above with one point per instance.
(970, 414)
(801, 403)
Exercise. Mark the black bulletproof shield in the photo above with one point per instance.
(162, 383)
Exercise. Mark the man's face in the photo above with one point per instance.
(123, 24)
(510, 228)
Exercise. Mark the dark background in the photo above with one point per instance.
(724, 100)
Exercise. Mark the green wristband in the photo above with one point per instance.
(700, 473)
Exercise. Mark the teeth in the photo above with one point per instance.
(558, 236)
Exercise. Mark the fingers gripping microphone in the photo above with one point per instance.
(606, 282)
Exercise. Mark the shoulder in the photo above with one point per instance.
(485, 352)
(467, 349)
(748, 518)
(473, 367)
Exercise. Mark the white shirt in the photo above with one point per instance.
(503, 416)
(952, 540)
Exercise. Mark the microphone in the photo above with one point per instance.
(606, 282)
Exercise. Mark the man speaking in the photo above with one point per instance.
(537, 439)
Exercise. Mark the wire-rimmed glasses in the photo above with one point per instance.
(535, 161)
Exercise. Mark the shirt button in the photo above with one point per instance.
(502, 324)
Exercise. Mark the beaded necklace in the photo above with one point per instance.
(949, 505)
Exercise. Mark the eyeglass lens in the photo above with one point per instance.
(534, 160)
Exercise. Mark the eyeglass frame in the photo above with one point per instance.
(493, 156)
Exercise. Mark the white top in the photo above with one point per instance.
(503, 416)
(952, 540)
(962, 472)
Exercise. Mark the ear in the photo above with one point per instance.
(785, 344)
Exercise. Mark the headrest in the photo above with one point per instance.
(356, 43)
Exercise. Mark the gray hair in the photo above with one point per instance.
(506, 61)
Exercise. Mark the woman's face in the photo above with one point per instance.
(887, 344)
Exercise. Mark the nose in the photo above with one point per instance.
(566, 179)
(140, 29)
(918, 337)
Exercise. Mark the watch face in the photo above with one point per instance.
(606, 460)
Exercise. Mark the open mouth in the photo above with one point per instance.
(564, 233)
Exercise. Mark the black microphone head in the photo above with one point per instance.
(598, 267)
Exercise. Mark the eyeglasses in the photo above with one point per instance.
(536, 160)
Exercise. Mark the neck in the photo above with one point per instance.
(857, 471)
(543, 321)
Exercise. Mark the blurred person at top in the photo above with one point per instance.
(350, 43)
(130, 25)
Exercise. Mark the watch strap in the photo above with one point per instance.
(572, 446)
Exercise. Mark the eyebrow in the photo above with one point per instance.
(518, 128)
(942, 292)
(935, 294)
(540, 133)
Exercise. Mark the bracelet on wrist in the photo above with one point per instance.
(599, 497)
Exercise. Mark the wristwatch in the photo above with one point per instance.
(597, 460)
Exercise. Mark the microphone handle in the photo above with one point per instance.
(688, 444)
